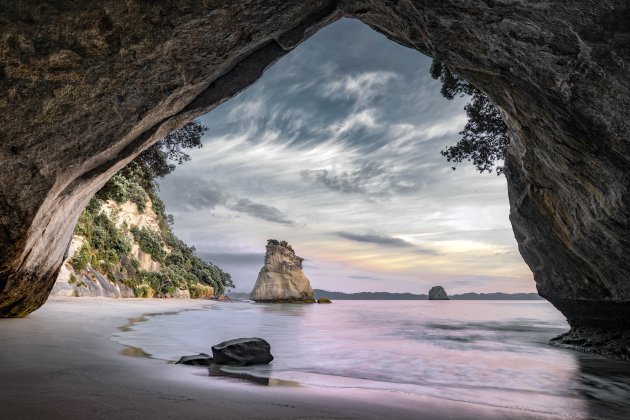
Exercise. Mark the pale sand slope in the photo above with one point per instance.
(60, 362)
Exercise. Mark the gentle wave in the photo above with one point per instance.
(486, 352)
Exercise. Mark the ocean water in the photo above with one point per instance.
(487, 352)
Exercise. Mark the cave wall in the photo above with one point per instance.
(560, 72)
(85, 86)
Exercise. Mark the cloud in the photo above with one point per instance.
(199, 194)
(190, 192)
(363, 119)
(365, 278)
(248, 109)
(371, 179)
(261, 211)
(373, 238)
(384, 240)
(344, 183)
(233, 258)
(362, 86)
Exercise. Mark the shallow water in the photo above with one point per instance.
(487, 352)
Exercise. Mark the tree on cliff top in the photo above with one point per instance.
(159, 160)
(485, 136)
(138, 177)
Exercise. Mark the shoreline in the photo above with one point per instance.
(62, 362)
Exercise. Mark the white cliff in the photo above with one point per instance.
(91, 282)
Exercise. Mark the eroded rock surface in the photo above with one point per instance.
(281, 278)
(86, 86)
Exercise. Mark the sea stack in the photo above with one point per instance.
(437, 293)
(281, 279)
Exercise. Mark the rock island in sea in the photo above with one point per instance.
(438, 293)
(281, 278)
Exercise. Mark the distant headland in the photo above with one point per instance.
(319, 293)
(410, 296)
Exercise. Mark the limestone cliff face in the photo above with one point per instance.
(91, 282)
(87, 282)
(128, 214)
(281, 278)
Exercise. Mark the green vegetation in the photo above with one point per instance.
(157, 159)
(284, 244)
(149, 242)
(143, 290)
(485, 137)
(323, 300)
(75, 280)
(107, 248)
(81, 258)
(123, 187)
(104, 245)
(200, 291)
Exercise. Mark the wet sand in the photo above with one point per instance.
(60, 362)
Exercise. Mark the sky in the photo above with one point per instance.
(336, 149)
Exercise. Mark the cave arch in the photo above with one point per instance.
(86, 87)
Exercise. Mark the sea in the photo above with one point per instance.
(494, 353)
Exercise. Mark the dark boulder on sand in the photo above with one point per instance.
(242, 352)
(201, 359)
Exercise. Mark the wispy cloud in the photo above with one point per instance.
(193, 193)
(384, 240)
(362, 87)
(198, 194)
(237, 258)
(359, 277)
(261, 211)
(328, 141)
(365, 119)
(371, 179)
(346, 183)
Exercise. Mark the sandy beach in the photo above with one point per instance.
(61, 362)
